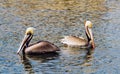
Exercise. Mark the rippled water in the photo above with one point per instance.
(52, 20)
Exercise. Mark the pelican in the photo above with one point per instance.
(74, 41)
(36, 48)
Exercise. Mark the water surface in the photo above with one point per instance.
(52, 20)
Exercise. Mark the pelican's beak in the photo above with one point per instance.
(23, 43)
(92, 39)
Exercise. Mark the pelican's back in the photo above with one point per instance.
(74, 41)
(41, 47)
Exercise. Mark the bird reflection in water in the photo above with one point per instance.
(77, 56)
(26, 60)
(88, 57)
(27, 65)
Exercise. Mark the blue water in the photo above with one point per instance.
(52, 20)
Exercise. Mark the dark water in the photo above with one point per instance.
(52, 20)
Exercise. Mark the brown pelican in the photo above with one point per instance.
(79, 41)
(36, 48)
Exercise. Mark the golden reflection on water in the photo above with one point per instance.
(65, 11)
(82, 5)
(56, 12)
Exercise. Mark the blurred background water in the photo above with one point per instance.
(52, 20)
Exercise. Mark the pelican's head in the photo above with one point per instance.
(30, 30)
(28, 36)
(88, 27)
(88, 24)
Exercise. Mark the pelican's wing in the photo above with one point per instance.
(42, 47)
(73, 40)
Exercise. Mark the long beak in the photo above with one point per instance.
(23, 43)
(92, 38)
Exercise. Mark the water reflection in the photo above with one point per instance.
(54, 18)
(27, 65)
(26, 60)
(89, 8)
(77, 56)
(56, 4)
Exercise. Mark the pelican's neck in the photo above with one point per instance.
(88, 39)
(87, 34)
(27, 43)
